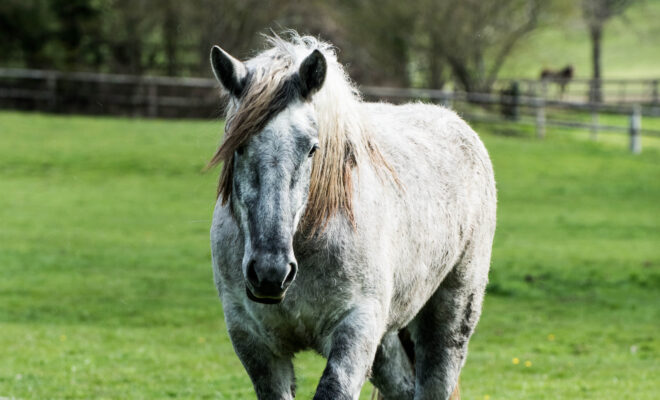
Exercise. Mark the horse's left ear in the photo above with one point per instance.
(312, 73)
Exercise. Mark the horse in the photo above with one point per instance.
(561, 77)
(340, 223)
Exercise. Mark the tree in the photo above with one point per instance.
(474, 37)
(427, 42)
(25, 28)
(233, 25)
(77, 26)
(170, 23)
(381, 36)
(596, 13)
(383, 42)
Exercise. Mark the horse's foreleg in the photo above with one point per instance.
(392, 372)
(442, 329)
(272, 376)
(350, 356)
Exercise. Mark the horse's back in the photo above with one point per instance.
(434, 152)
(432, 143)
(446, 200)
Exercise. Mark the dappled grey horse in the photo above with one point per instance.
(340, 223)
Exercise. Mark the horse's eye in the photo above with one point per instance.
(240, 150)
(313, 150)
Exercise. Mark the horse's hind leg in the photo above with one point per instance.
(443, 327)
(392, 372)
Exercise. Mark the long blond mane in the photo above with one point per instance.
(345, 140)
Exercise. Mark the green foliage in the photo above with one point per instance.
(106, 288)
(422, 43)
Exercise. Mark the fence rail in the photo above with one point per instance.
(83, 92)
(612, 91)
(536, 110)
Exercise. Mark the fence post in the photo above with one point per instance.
(544, 89)
(635, 128)
(510, 101)
(153, 100)
(595, 91)
(594, 122)
(446, 99)
(51, 83)
(540, 117)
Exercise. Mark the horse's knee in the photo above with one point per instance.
(392, 370)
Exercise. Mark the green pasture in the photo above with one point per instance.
(105, 274)
(630, 47)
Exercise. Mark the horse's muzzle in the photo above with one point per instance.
(268, 277)
(263, 300)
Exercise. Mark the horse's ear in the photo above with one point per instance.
(230, 72)
(312, 73)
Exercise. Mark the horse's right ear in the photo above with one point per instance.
(230, 72)
(312, 73)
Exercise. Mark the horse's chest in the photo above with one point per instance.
(295, 327)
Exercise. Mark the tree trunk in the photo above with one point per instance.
(436, 78)
(170, 26)
(596, 39)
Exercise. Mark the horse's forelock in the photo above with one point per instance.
(344, 137)
(269, 90)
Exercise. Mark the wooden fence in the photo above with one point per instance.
(612, 91)
(537, 111)
(92, 93)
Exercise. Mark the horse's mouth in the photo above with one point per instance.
(263, 300)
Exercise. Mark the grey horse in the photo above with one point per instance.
(341, 223)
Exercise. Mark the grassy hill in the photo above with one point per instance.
(106, 287)
(631, 48)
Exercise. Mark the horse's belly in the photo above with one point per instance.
(412, 291)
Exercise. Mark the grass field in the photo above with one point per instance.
(106, 288)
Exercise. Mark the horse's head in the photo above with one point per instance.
(271, 138)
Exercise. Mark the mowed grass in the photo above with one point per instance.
(106, 288)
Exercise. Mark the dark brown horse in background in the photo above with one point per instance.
(561, 77)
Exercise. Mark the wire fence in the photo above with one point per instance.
(523, 102)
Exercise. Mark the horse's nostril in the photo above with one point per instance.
(252, 276)
(293, 268)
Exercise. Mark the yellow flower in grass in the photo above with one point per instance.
(62, 338)
(528, 363)
(515, 361)
(551, 337)
(201, 340)
(486, 397)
